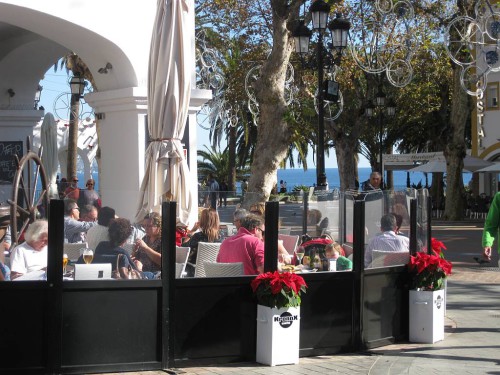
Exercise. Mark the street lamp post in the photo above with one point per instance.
(339, 29)
(77, 85)
(380, 100)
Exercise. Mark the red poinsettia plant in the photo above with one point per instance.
(429, 270)
(275, 289)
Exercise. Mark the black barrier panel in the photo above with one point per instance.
(326, 314)
(214, 319)
(385, 306)
(110, 326)
(23, 330)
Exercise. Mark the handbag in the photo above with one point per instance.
(125, 273)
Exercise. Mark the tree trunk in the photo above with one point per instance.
(455, 149)
(346, 160)
(73, 136)
(273, 136)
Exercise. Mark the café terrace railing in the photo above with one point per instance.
(58, 326)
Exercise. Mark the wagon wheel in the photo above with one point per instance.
(26, 206)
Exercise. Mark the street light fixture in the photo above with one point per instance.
(327, 89)
(390, 107)
(38, 94)
(77, 85)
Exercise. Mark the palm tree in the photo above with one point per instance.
(218, 164)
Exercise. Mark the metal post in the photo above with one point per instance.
(271, 239)
(55, 282)
(305, 213)
(413, 226)
(358, 273)
(321, 183)
(380, 120)
(168, 250)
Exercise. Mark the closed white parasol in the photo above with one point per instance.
(171, 63)
(50, 161)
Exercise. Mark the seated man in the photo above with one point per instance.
(246, 246)
(99, 233)
(388, 240)
(74, 230)
(88, 213)
(31, 255)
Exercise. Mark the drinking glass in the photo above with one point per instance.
(299, 255)
(65, 262)
(88, 256)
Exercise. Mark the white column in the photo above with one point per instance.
(122, 138)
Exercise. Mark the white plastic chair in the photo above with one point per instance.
(181, 258)
(207, 252)
(382, 258)
(73, 250)
(214, 269)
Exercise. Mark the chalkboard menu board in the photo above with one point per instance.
(7, 165)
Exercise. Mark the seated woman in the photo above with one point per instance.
(108, 251)
(147, 253)
(209, 232)
(333, 251)
(31, 255)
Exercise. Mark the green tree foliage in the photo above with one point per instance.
(211, 161)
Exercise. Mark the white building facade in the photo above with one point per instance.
(35, 34)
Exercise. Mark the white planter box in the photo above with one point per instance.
(427, 316)
(278, 333)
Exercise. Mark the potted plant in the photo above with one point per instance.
(278, 317)
(427, 296)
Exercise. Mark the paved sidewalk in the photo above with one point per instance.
(472, 333)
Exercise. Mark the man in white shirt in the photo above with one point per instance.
(31, 255)
(388, 240)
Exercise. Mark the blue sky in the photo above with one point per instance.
(56, 83)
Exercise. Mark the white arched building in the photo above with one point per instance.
(35, 34)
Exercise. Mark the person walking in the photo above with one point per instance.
(491, 229)
(244, 187)
(89, 195)
(213, 191)
(72, 191)
(374, 183)
(223, 193)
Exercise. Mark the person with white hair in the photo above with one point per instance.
(31, 255)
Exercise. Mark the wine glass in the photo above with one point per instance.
(65, 263)
(299, 254)
(88, 255)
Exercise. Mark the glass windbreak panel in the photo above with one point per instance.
(387, 229)
(207, 257)
(422, 197)
(322, 248)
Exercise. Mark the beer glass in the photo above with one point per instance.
(88, 256)
(65, 263)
